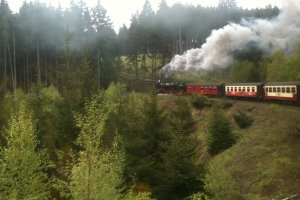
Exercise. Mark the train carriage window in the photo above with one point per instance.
(235, 89)
(293, 90)
(274, 89)
(278, 89)
(288, 90)
(252, 89)
(267, 89)
(283, 89)
(240, 89)
(248, 89)
(231, 88)
(244, 89)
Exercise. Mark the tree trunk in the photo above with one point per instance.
(98, 69)
(179, 40)
(187, 40)
(136, 67)
(27, 72)
(5, 63)
(11, 66)
(173, 44)
(89, 174)
(38, 63)
(57, 64)
(153, 67)
(15, 64)
(46, 70)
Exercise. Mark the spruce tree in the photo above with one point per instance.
(22, 165)
(219, 135)
(180, 172)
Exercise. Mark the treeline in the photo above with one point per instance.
(277, 67)
(173, 30)
(47, 45)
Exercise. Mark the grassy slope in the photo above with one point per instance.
(265, 162)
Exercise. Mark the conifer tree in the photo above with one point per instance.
(180, 172)
(219, 135)
(22, 166)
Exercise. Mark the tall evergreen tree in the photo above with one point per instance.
(219, 136)
(180, 176)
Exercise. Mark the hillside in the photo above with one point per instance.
(265, 161)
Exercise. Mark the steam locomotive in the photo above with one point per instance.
(279, 91)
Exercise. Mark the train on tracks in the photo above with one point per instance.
(269, 91)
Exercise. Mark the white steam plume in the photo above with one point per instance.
(280, 33)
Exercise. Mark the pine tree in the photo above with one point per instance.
(22, 166)
(219, 135)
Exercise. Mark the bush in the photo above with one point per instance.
(197, 196)
(219, 183)
(223, 104)
(199, 101)
(242, 119)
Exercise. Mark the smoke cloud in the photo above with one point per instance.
(280, 33)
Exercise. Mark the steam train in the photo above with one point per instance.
(270, 91)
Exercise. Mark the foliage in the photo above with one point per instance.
(149, 148)
(198, 196)
(284, 68)
(98, 171)
(219, 136)
(199, 101)
(246, 71)
(219, 184)
(46, 104)
(179, 179)
(138, 196)
(222, 103)
(22, 165)
(242, 119)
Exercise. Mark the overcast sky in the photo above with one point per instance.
(120, 11)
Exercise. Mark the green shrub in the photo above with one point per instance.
(219, 183)
(223, 104)
(197, 196)
(250, 108)
(242, 119)
(199, 101)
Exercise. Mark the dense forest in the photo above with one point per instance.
(71, 125)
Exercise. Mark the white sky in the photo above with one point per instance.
(120, 11)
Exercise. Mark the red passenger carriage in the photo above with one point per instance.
(205, 89)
